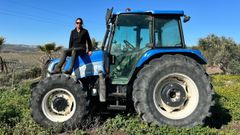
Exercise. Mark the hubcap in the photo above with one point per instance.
(60, 104)
(176, 96)
(173, 94)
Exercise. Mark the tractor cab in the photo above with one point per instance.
(131, 34)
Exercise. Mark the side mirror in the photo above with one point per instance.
(186, 18)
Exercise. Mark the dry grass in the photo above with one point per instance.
(21, 61)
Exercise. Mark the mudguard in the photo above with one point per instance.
(190, 52)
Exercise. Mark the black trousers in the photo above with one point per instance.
(69, 52)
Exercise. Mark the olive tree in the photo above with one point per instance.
(3, 66)
(2, 40)
(221, 51)
(95, 44)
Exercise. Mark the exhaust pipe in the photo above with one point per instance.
(102, 87)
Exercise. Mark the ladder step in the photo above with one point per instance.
(116, 107)
(120, 95)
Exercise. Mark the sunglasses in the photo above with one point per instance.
(78, 23)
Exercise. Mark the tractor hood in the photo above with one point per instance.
(84, 65)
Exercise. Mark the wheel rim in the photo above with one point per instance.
(176, 96)
(58, 105)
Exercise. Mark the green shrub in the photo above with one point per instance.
(28, 74)
(11, 106)
(14, 78)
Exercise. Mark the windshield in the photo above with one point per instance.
(167, 32)
(132, 30)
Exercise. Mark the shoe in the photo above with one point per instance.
(56, 71)
(68, 72)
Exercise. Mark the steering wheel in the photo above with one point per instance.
(129, 45)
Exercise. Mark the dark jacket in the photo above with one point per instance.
(79, 40)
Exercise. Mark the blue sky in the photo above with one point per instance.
(38, 22)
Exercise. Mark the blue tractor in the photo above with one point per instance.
(143, 62)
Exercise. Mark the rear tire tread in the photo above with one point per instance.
(144, 76)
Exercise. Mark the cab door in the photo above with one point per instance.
(131, 39)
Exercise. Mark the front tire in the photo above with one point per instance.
(59, 101)
(173, 90)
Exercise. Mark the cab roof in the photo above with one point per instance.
(154, 12)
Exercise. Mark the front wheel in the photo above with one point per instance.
(173, 90)
(59, 101)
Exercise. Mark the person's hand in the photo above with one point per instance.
(75, 49)
(90, 53)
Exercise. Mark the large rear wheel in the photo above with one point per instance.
(173, 90)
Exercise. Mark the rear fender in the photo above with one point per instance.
(195, 54)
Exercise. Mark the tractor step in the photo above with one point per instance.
(118, 95)
(117, 107)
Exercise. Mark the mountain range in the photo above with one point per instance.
(19, 48)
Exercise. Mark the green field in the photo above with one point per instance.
(15, 114)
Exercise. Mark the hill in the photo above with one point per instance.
(19, 48)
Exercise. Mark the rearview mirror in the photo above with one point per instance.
(186, 18)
